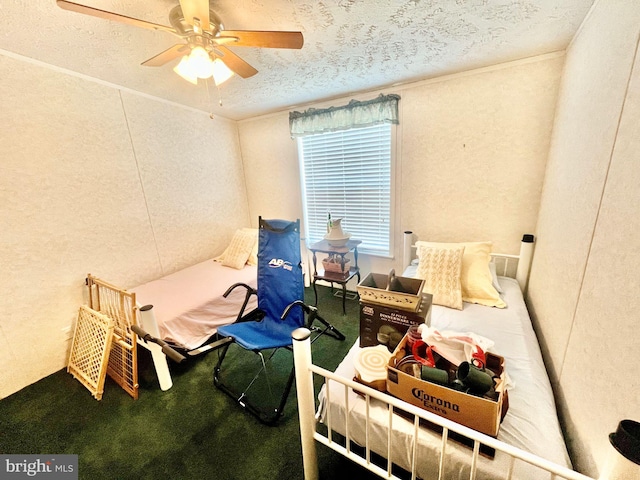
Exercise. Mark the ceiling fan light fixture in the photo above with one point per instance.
(221, 73)
(198, 64)
(185, 71)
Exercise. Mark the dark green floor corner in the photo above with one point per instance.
(192, 431)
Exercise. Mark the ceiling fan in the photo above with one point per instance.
(205, 53)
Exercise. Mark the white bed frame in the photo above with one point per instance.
(144, 328)
(155, 345)
(305, 370)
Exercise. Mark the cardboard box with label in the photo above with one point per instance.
(479, 413)
(384, 325)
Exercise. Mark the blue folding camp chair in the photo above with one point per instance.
(281, 310)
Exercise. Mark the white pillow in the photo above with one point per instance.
(253, 256)
(477, 285)
(238, 251)
(440, 269)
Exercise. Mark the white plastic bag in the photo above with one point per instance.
(455, 346)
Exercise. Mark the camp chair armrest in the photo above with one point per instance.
(308, 309)
(247, 297)
(250, 290)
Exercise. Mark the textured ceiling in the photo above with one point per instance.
(349, 45)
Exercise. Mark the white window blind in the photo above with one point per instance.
(348, 174)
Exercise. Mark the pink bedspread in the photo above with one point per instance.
(188, 305)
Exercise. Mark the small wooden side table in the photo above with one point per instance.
(341, 278)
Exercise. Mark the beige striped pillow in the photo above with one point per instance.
(238, 251)
(253, 256)
(475, 276)
(440, 269)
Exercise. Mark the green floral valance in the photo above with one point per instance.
(382, 109)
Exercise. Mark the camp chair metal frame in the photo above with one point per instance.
(271, 417)
(280, 291)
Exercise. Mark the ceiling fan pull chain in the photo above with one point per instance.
(206, 82)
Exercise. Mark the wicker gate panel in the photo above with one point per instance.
(89, 355)
(120, 306)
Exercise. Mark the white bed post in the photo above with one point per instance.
(524, 263)
(306, 404)
(149, 324)
(407, 254)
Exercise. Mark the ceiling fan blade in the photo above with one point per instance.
(76, 7)
(196, 9)
(168, 55)
(251, 38)
(235, 63)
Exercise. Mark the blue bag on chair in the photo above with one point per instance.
(280, 290)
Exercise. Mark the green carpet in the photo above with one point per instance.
(191, 431)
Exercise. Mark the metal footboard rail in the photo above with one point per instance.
(305, 370)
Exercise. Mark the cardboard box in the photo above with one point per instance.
(478, 413)
(383, 325)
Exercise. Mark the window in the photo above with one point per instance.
(345, 160)
(348, 173)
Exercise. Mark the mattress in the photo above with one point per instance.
(531, 422)
(188, 305)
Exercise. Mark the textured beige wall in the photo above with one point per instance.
(97, 181)
(583, 290)
(191, 171)
(271, 168)
(470, 160)
(474, 151)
